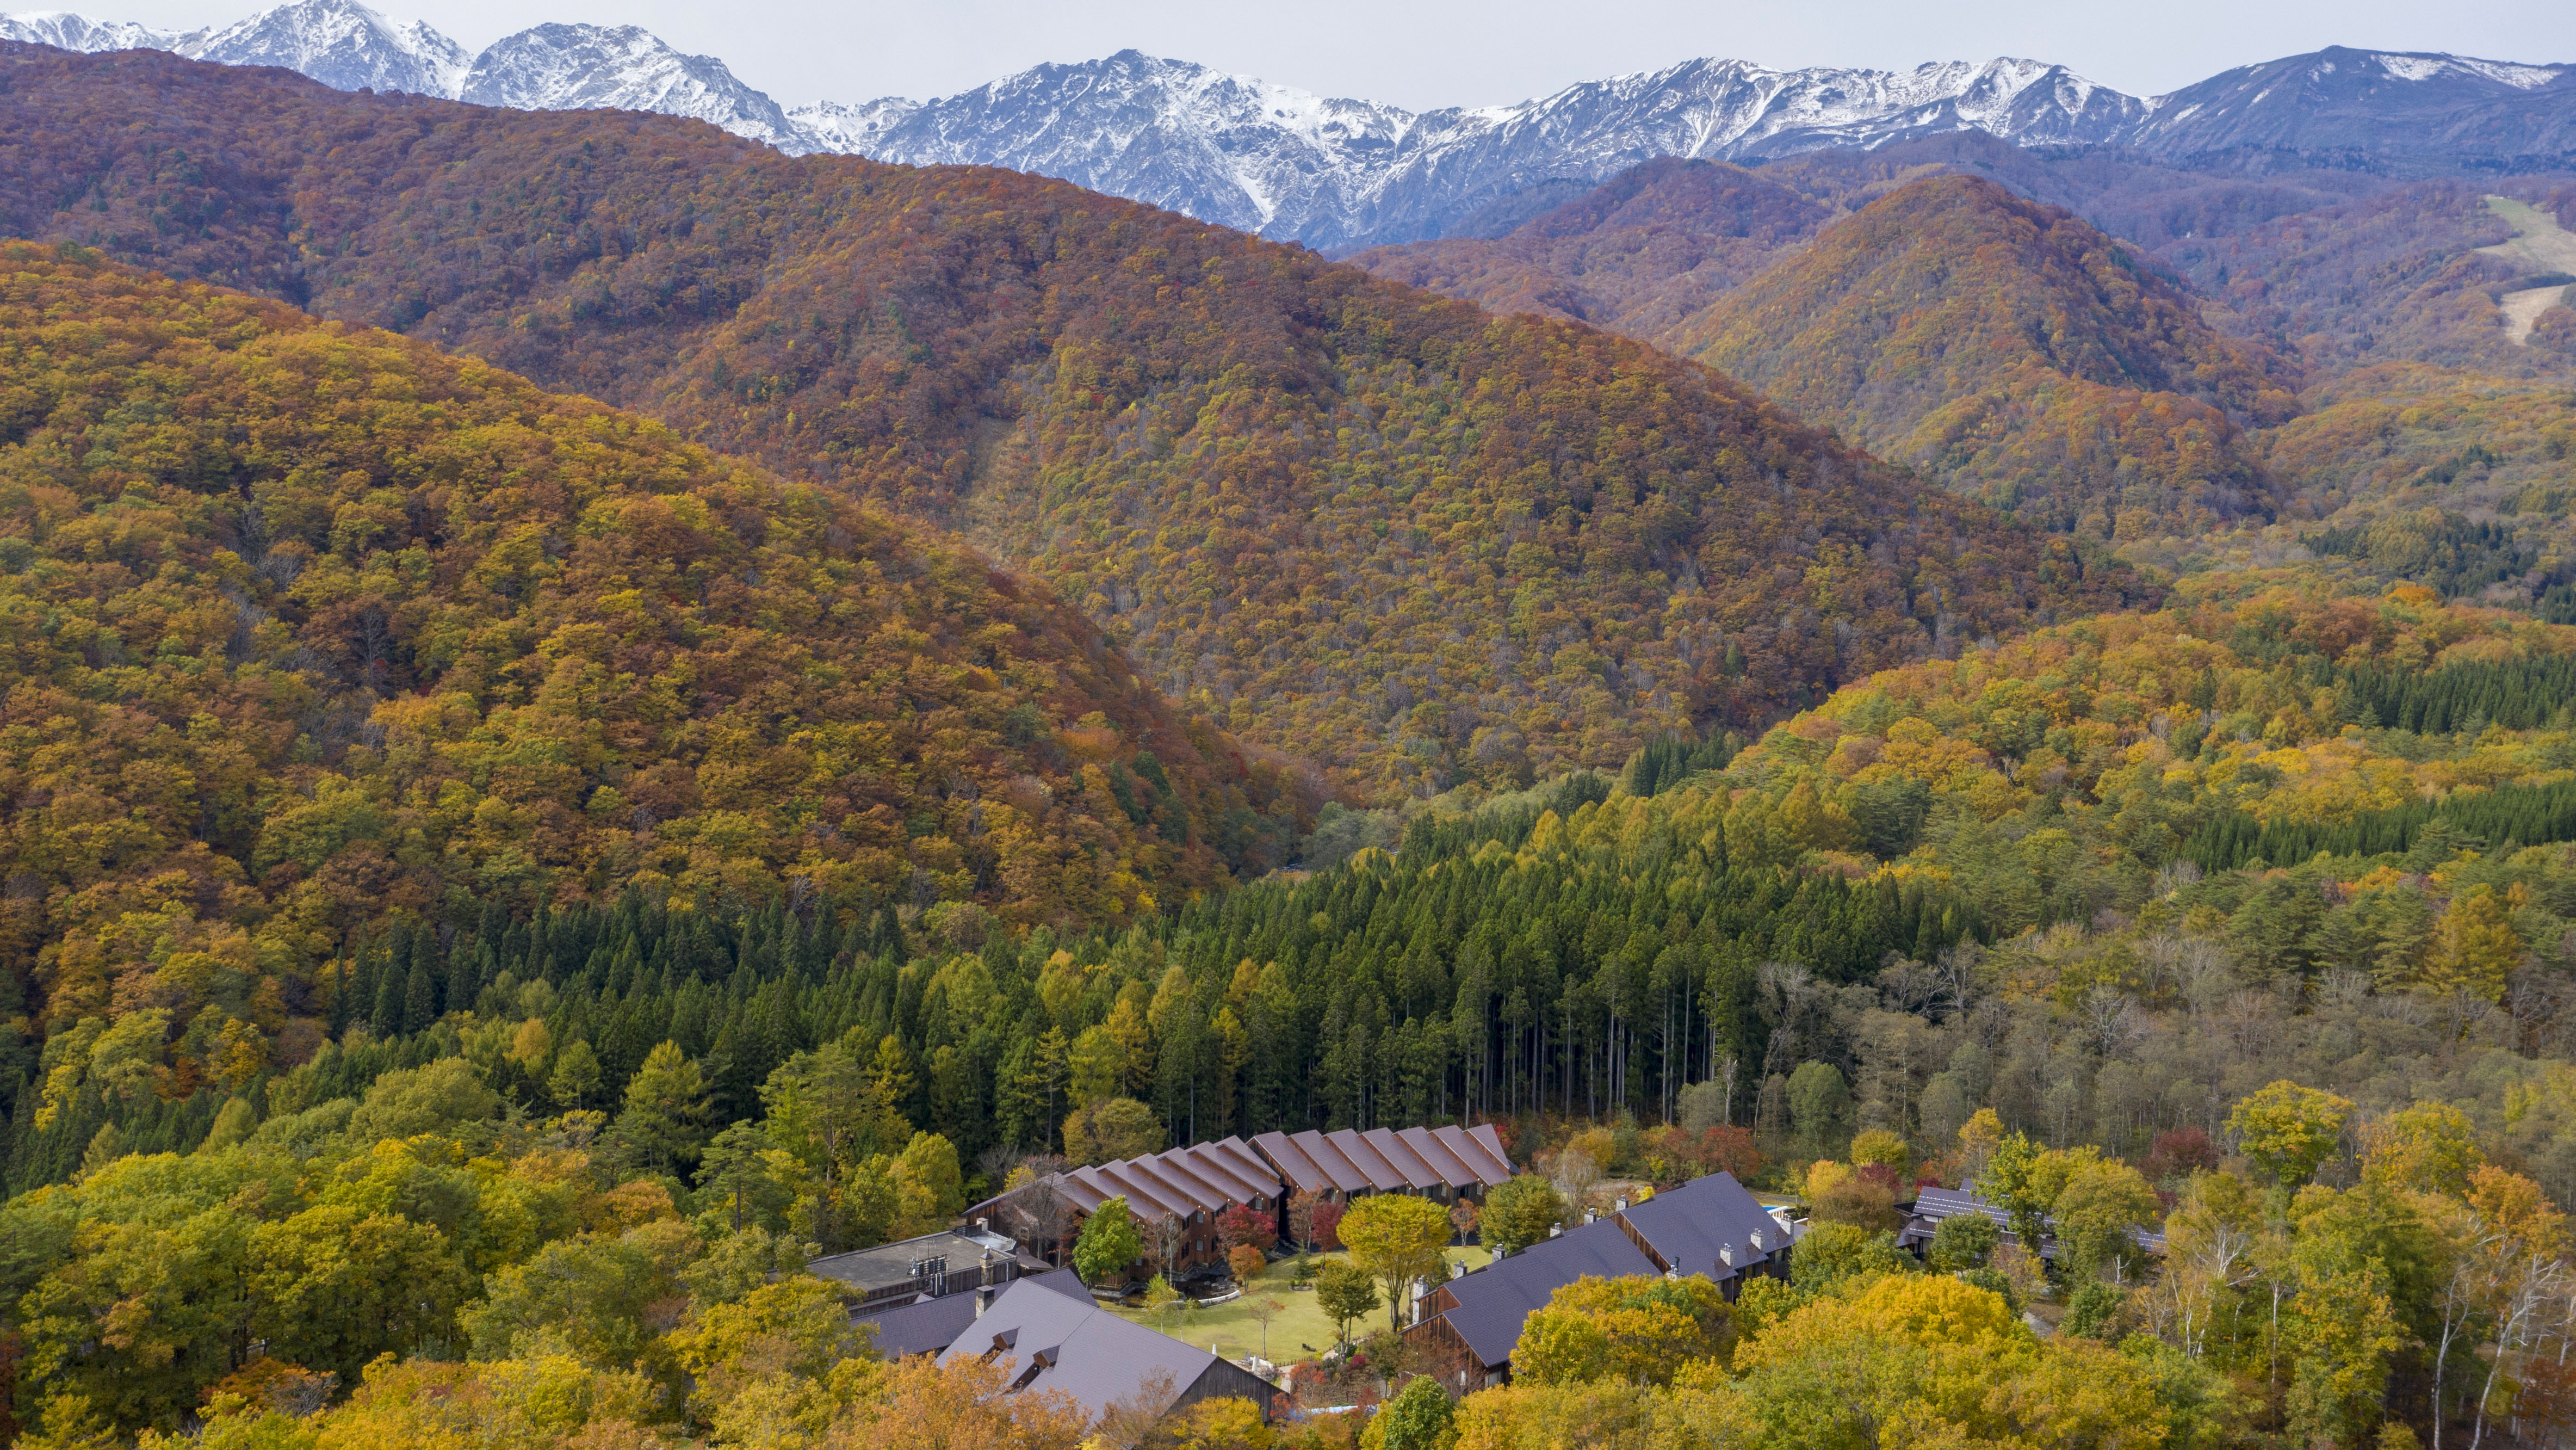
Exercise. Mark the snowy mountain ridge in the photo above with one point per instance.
(349, 46)
(1335, 173)
(625, 68)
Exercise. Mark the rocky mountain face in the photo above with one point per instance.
(1339, 174)
(344, 46)
(349, 47)
(622, 68)
(66, 31)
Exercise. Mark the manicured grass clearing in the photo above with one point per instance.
(1230, 1330)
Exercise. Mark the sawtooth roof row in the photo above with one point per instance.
(1388, 1160)
(1205, 1177)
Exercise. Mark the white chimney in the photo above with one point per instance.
(1757, 1240)
(1726, 1256)
(984, 1299)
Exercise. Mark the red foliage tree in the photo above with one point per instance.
(2179, 1153)
(1239, 1227)
(1730, 1150)
(1324, 1225)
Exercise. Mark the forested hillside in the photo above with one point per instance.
(2014, 351)
(2387, 278)
(492, 884)
(309, 627)
(2023, 893)
(1639, 254)
(1410, 541)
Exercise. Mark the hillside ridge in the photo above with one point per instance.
(1410, 541)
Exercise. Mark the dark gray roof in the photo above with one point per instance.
(1937, 1204)
(889, 1266)
(926, 1326)
(1707, 1226)
(1931, 1205)
(1047, 1341)
(1494, 1300)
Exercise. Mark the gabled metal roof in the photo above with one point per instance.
(1205, 1178)
(1052, 1341)
(1381, 1175)
(1407, 1165)
(1480, 1149)
(1492, 1302)
(1303, 1173)
(1706, 1226)
(1348, 1175)
(1443, 1164)
(1386, 1160)
(927, 1326)
(1931, 1205)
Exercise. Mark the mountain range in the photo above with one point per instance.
(1405, 539)
(1339, 173)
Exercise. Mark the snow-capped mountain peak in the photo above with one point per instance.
(623, 67)
(66, 31)
(340, 43)
(1334, 172)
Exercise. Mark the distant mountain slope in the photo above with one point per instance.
(2442, 477)
(2393, 277)
(2372, 107)
(1337, 173)
(308, 623)
(2013, 350)
(1645, 250)
(1343, 174)
(1394, 534)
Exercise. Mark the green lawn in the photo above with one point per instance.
(1229, 1329)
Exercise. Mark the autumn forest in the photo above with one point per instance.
(591, 713)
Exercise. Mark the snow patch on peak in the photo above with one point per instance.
(66, 31)
(850, 129)
(2412, 67)
(340, 43)
(2520, 77)
(2409, 67)
(627, 68)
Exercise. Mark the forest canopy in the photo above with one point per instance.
(1410, 541)
(308, 627)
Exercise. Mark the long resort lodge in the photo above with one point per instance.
(1184, 1190)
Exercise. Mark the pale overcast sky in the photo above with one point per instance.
(1448, 52)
